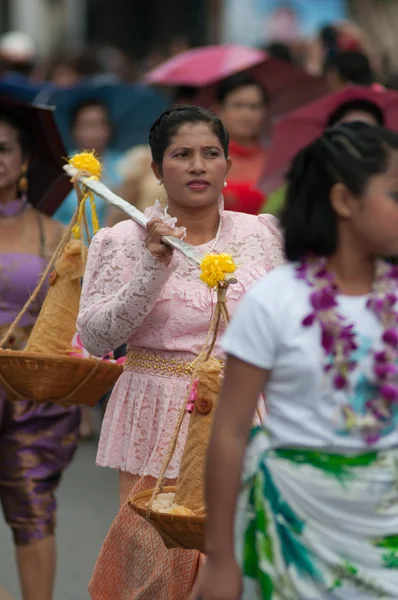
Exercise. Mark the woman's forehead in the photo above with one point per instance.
(7, 130)
(195, 134)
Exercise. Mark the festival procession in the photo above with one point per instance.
(199, 300)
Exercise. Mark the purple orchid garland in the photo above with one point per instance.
(338, 341)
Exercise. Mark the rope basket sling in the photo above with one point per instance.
(184, 526)
(43, 371)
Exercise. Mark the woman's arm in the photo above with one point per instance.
(241, 390)
(121, 285)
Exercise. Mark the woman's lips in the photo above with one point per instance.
(198, 184)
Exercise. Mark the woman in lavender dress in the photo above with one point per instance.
(36, 441)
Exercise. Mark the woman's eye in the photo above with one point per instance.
(213, 153)
(181, 154)
(394, 196)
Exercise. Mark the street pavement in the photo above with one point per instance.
(88, 502)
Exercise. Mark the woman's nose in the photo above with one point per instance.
(197, 164)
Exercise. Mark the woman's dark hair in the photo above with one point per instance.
(354, 105)
(352, 67)
(351, 154)
(235, 82)
(168, 124)
(88, 103)
(24, 137)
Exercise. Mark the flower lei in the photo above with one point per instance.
(338, 341)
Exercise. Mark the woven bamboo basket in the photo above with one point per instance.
(176, 531)
(48, 378)
(188, 531)
(52, 375)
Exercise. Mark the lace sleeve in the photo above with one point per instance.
(273, 240)
(121, 284)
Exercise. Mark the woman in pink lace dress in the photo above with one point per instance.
(136, 290)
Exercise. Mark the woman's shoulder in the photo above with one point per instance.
(264, 222)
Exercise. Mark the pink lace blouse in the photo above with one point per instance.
(128, 296)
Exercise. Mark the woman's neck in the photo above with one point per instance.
(8, 194)
(201, 224)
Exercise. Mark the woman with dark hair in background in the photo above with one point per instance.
(242, 105)
(36, 441)
(137, 291)
(92, 130)
(316, 513)
(348, 67)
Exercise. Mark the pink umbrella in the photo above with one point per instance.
(287, 85)
(203, 66)
(298, 129)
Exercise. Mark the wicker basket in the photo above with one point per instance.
(44, 378)
(176, 531)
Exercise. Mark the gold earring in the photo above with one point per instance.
(23, 184)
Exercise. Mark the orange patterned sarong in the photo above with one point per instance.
(133, 563)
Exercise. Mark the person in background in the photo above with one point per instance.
(348, 67)
(69, 70)
(37, 442)
(363, 111)
(140, 187)
(92, 130)
(242, 106)
(18, 53)
(279, 50)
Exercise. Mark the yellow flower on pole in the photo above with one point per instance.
(87, 164)
(214, 268)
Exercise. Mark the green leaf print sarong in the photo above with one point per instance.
(317, 526)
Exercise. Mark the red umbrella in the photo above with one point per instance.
(48, 184)
(287, 85)
(303, 126)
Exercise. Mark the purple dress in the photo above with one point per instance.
(37, 441)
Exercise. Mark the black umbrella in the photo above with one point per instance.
(48, 184)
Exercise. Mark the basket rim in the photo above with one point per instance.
(7, 355)
(163, 517)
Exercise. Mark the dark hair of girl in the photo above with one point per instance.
(353, 105)
(236, 82)
(168, 124)
(6, 116)
(351, 154)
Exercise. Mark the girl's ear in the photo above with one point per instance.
(341, 200)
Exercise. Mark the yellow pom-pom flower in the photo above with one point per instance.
(214, 268)
(87, 162)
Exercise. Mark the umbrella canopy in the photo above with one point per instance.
(204, 66)
(287, 85)
(303, 126)
(132, 107)
(48, 185)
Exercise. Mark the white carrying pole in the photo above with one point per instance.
(106, 194)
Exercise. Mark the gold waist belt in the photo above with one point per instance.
(153, 363)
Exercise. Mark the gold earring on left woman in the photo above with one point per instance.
(23, 184)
